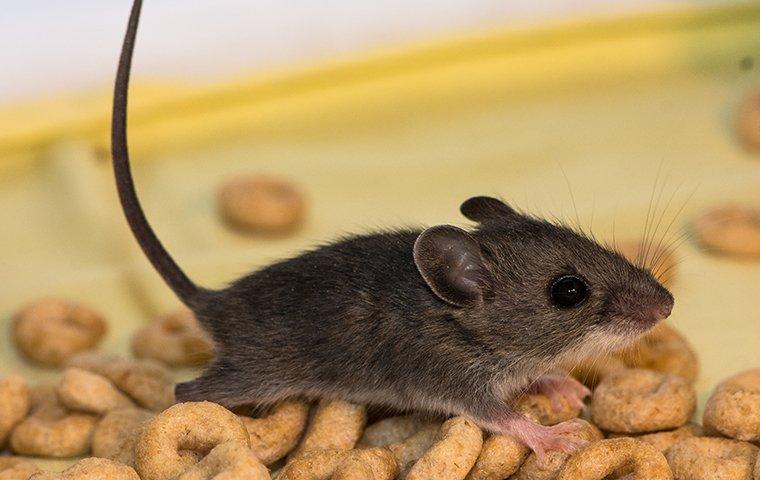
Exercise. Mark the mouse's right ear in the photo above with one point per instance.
(483, 209)
(451, 263)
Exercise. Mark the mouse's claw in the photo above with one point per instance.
(557, 387)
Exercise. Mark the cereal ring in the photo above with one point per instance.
(367, 464)
(453, 454)
(748, 120)
(663, 260)
(51, 430)
(500, 457)
(49, 331)
(532, 469)
(733, 409)
(116, 435)
(390, 430)
(336, 425)
(538, 407)
(261, 204)
(412, 448)
(314, 465)
(83, 391)
(663, 350)
(722, 458)
(274, 435)
(91, 469)
(16, 468)
(662, 441)
(230, 461)
(638, 401)
(178, 437)
(14, 404)
(175, 339)
(599, 459)
(729, 229)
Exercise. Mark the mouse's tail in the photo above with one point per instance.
(172, 274)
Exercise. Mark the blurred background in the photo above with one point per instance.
(623, 117)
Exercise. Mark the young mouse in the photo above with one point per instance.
(439, 320)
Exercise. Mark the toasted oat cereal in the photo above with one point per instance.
(91, 469)
(500, 457)
(83, 391)
(729, 229)
(748, 120)
(335, 425)
(663, 350)
(710, 458)
(600, 459)
(733, 409)
(174, 339)
(453, 454)
(116, 434)
(313, 465)
(261, 204)
(16, 468)
(390, 430)
(662, 441)
(276, 434)
(376, 463)
(408, 451)
(14, 404)
(227, 461)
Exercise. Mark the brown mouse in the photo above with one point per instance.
(439, 319)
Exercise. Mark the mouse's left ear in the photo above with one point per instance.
(451, 262)
(482, 209)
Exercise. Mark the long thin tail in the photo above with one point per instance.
(182, 286)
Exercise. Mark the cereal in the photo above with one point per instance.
(663, 350)
(146, 382)
(314, 465)
(116, 434)
(729, 229)
(175, 339)
(539, 408)
(14, 404)
(500, 457)
(599, 459)
(390, 430)
(748, 120)
(368, 464)
(50, 331)
(637, 401)
(590, 370)
(534, 469)
(412, 448)
(453, 454)
(83, 391)
(51, 430)
(178, 437)
(336, 425)
(733, 409)
(16, 468)
(662, 441)
(228, 461)
(661, 260)
(91, 469)
(261, 204)
(274, 435)
(712, 458)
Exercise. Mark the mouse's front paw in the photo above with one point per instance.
(542, 439)
(557, 387)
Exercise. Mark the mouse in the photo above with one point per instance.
(440, 319)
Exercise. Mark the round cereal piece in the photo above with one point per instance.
(710, 458)
(175, 339)
(733, 409)
(390, 430)
(335, 425)
(261, 204)
(375, 463)
(757, 469)
(599, 459)
(455, 451)
(661, 260)
(662, 441)
(83, 391)
(532, 469)
(411, 449)
(49, 331)
(178, 437)
(91, 469)
(748, 120)
(663, 350)
(228, 461)
(639, 401)
(116, 434)
(314, 465)
(500, 457)
(539, 408)
(276, 434)
(51, 430)
(14, 404)
(16, 468)
(729, 229)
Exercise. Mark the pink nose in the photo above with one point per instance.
(663, 311)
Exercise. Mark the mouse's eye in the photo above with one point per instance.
(568, 291)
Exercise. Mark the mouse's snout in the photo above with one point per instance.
(663, 311)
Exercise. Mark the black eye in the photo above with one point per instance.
(568, 291)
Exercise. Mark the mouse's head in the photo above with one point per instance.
(537, 287)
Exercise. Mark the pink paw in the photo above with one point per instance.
(541, 439)
(557, 387)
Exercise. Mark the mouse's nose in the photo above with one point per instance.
(663, 311)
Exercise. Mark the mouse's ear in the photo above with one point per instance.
(482, 209)
(451, 262)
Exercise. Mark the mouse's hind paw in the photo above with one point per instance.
(541, 438)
